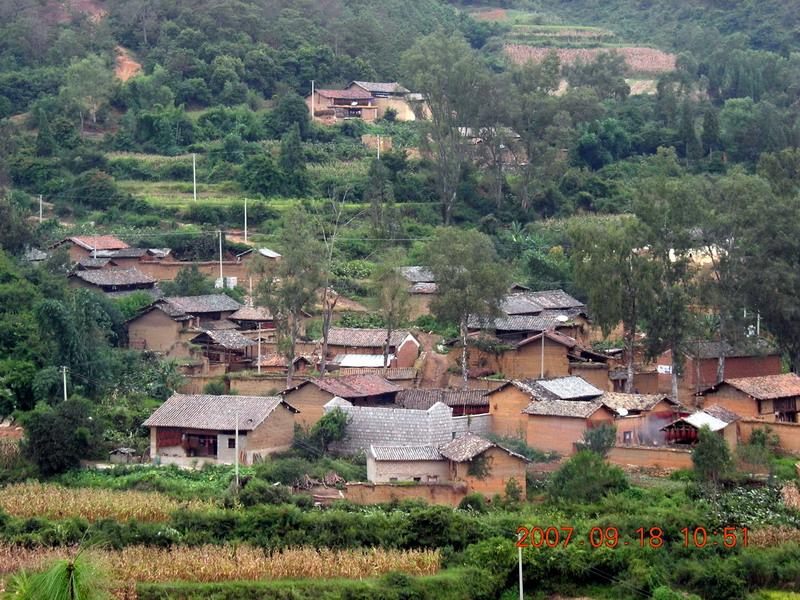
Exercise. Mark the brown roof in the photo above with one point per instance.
(201, 411)
(278, 360)
(352, 386)
(555, 336)
(632, 402)
(251, 313)
(230, 339)
(218, 325)
(563, 408)
(113, 277)
(768, 387)
(392, 373)
(424, 399)
(713, 349)
(364, 338)
(345, 94)
(203, 304)
(95, 242)
(468, 446)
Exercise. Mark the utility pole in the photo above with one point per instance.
(222, 280)
(312, 99)
(258, 361)
(64, 380)
(236, 458)
(194, 176)
(379, 147)
(40, 208)
(245, 220)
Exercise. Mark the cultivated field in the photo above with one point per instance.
(638, 59)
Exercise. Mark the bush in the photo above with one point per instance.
(474, 502)
(587, 477)
(215, 387)
(258, 491)
(599, 439)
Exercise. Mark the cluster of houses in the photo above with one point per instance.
(533, 376)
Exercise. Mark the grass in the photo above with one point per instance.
(57, 502)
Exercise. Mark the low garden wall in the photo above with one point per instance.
(376, 493)
(642, 456)
(789, 433)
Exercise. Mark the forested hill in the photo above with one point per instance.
(695, 25)
(215, 51)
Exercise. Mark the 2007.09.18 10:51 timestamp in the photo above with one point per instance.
(609, 537)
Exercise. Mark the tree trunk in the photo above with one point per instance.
(674, 378)
(386, 349)
(721, 359)
(464, 369)
(327, 316)
(630, 341)
(293, 334)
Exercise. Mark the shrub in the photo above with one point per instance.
(475, 502)
(599, 439)
(215, 387)
(258, 491)
(586, 476)
(711, 456)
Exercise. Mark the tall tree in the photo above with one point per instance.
(88, 83)
(391, 289)
(610, 267)
(293, 163)
(710, 135)
(692, 150)
(469, 278)
(449, 74)
(289, 287)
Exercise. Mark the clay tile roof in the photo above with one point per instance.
(202, 304)
(519, 304)
(632, 402)
(345, 94)
(231, 339)
(555, 336)
(404, 453)
(112, 277)
(364, 338)
(353, 386)
(392, 373)
(94, 263)
(220, 325)
(251, 313)
(470, 445)
(98, 242)
(122, 253)
(516, 322)
(417, 274)
(581, 409)
(201, 411)
(721, 413)
(554, 299)
(768, 387)
(386, 88)
(424, 399)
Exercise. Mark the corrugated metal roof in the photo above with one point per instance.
(216, 413)
(721, 413)
(404, 453)
(701, 418)
(768, 387)
(361, 360)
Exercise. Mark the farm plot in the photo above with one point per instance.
(638, 59)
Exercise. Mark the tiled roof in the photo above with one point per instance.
(112, 277)
(555, 336)
(218, 325)
(345, 94)
(768, 387)
(516, 323)
(251, 313)
(712, 349)
(200, 411)
(97, 242)
(424, 399)
(632, 402)
(392, 373)
(721, 413)
(423, 288)
(353, 386)
(470, 445)
(554, 299)
(93, 263)
(563, 408)
(278, 360)
(560, 388)
(519, 304)
(417, 274)
(123, 253)
(202, 304)
(404, 453)
(231, 339)
(382, 88)
(35, 255)
(364, 338)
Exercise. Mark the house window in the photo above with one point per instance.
(392, 479)
(232, 443)
(627, 437)
(417, 479)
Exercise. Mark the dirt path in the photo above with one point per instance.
(126, 67)
(433, 370)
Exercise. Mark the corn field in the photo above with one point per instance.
(767, 537)
(57, 502)
(208, 564)
(639, 60)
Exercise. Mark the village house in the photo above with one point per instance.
(134, 257)
(684, 431)
(200, 428)
(421, 289)
(771, 398)
(278, 364)
(87, 264)
(748, 359)
(249, 318)
(329, 106)
(405, 377)
(463, 402)
(227, 348)
(312, 395)
(557, 425)
(169, 324)
(87, 246)
(641, 417)
(115, 282)
(352, 347)
(471, 459)
(387, 95)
